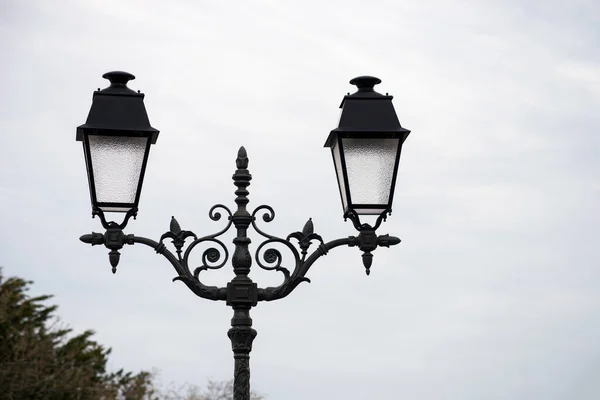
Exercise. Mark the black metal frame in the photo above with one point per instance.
(96, 205)
(241, 293)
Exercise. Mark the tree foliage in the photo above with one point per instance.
(41, 359)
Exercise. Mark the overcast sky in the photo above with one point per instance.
(493, 292)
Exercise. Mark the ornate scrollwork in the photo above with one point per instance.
(302, 267)
(212, 258)
(271, 258)
(215, 216)
(268, 216)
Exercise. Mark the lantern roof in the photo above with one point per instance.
(367, 111)
(118, 108)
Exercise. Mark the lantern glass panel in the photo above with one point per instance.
(370, 167)
(337, 160)
(117, 163)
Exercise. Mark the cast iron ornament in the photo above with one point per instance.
(241, 293)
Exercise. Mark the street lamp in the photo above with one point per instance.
(116, 143)
(366, 151)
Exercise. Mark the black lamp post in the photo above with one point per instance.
(366, 150)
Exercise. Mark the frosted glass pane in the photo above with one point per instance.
(370, 166)
(335, 150)
(117, 164)
(369, 211)
(114, 209)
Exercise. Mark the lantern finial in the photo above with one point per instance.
(118, 79)
(365, 83)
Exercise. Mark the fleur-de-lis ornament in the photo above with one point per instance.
(305, 237)
(177, 235)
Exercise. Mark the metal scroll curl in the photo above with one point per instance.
(212, 257)
(267, 256)
(268, 216)
(216, 216)
(270, 258)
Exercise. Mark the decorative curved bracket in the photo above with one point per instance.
(212, 258)
(271, 259)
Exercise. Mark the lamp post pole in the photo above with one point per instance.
(241, 293)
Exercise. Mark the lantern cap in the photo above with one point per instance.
(117, 108)
(366, 112)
